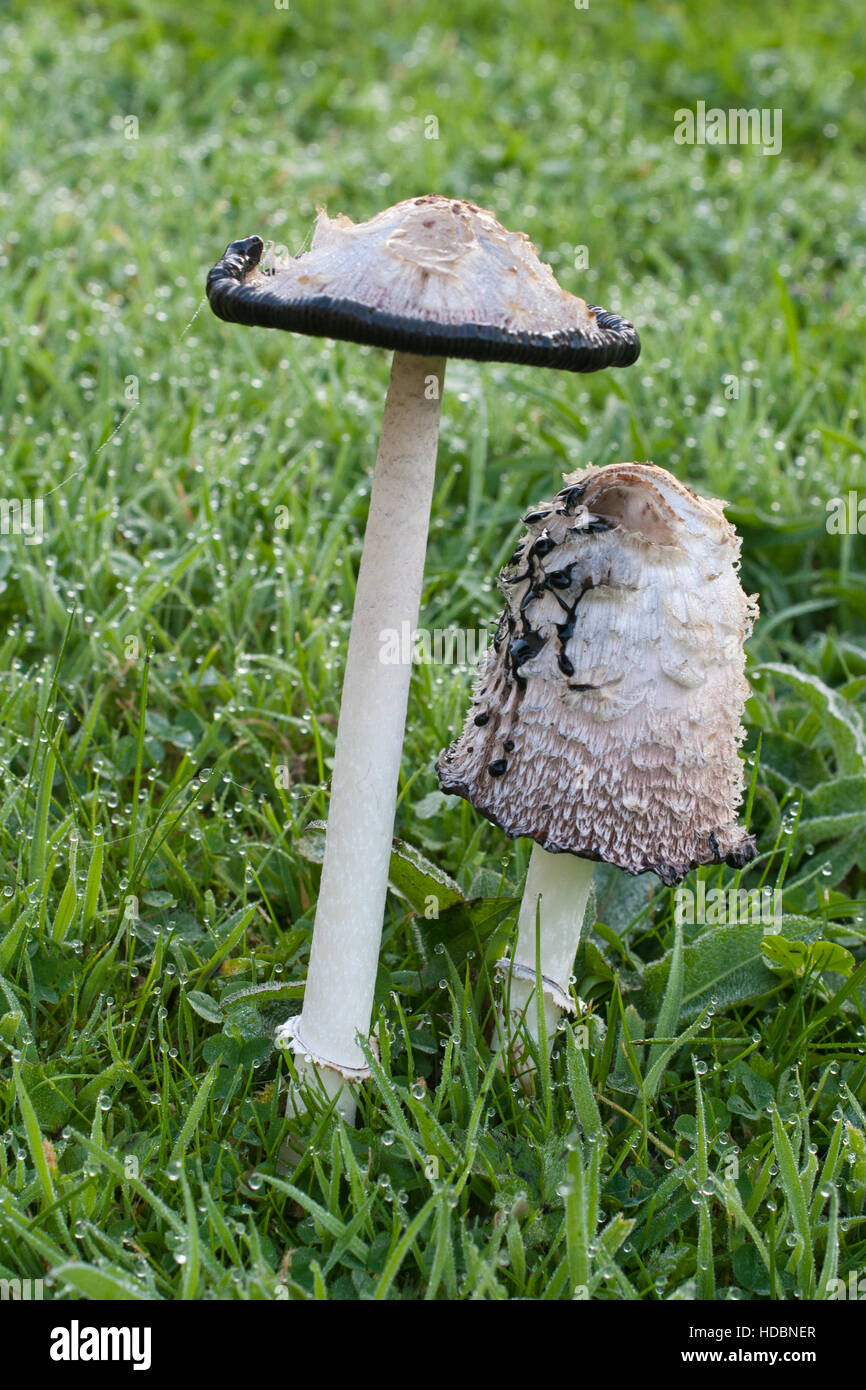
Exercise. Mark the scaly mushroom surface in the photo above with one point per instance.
(606, 720)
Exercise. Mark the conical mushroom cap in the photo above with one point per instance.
(606, 719)
(431, 275)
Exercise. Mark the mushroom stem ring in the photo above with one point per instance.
(333, 1077)
(550, 988)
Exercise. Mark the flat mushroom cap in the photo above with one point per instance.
(433, 276)
(606, 718)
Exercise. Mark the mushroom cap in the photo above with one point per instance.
(432, 276)
(606, 717)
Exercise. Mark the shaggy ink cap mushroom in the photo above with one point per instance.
(606, 720)
(432, 275)
(431, 278)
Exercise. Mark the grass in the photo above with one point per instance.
(172, 656)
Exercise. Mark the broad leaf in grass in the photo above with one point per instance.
(311, 845)
(221, 1048)
(758, 1088)
(788, 762)
(421, 883)
(9, 1025)
(717, 1119)
(798, 958)
(53, 1098)
(487, 884)
(829, 866)
(619, 897)
(593, 964)
(725, 964)
(157, 898)
(425, 887)
(833, 810)
(841, 720)
(245, 1022)
(751, 1272)
(204, 1006)
(481, 925)
(256, 1050)
(268, 992)
(429, 805)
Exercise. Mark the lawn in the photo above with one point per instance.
(172, 653)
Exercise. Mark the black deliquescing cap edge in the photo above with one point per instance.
(616, 344)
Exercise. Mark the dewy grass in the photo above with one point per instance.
(220, 527)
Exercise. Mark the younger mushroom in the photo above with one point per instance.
(430, 278)
(606, 720)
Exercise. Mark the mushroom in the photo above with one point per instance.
(605, 722)
(431, 278)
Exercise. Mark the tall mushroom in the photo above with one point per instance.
(606, 719)
(430, 278)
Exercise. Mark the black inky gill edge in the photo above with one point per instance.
(616, 344)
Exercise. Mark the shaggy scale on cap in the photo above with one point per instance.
(606, 720)
(433, 276)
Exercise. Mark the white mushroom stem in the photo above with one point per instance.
(338, 999)
(551, 916)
